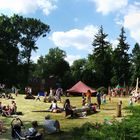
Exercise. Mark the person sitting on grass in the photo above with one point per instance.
(6, 111)
(83, 101)
(54, 108)
(51, 126)
(68, 108)
(33, 130)
(9, 96)
(13, 108)
(93, 107)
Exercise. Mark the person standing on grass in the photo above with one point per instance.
(88, 95)
(98, 95)
(58, 94)
(68, 108)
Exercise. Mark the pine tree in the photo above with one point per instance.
(121, 61)
(135, 63)
(102, 58)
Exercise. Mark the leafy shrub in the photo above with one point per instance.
(127, 129)
(21, 92)
(102, 90)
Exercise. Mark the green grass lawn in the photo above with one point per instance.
(107, 110)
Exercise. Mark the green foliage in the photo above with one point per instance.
(121, 61)
(18, 36)
(8, 49)
(102, 58)
(53, 64)
(21, 92)
(135, 63)
(102, 90)
(77, 69)
(127, 129)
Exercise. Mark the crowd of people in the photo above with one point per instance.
(53, 126)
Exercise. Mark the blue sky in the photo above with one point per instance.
(74, 23)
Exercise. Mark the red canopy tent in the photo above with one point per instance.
(80, 87)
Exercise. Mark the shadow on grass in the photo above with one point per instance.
(58, 136)
(110, 109)
(27, 124)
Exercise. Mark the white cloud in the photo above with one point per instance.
(72, 58)
(132, 21)
(80, 39)
(114, 43)
(27, 6)
(107, 6)
(34, 58)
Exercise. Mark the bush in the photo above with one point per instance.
(102, 90)
(21, 92)
(127, 129)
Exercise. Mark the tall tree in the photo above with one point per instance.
(9, 51)
(15, 32)
(55, 63)
(102, 58)
(77, 69)
(31, 30)
(135, 63)
(39, 67)
(121, 61)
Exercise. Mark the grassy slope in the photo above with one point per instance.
(26, 106)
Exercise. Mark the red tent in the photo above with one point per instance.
(80, 87)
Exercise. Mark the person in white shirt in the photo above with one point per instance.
(51, 126)
(33, 130)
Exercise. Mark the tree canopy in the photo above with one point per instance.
(105, 66)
